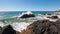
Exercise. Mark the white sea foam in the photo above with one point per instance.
(28, 12)
(20, 26)
(54, 20)
(58, 16)
(16, 26)
(42, 17)
(2, 24)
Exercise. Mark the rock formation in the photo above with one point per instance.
(37, 27)
(53, 17)
(8, 30)
(43, 27)
(27, 15)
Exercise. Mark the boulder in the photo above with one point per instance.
(8, 30)
(49, 14)
(42, 27)
(53, 17)
(27, 15)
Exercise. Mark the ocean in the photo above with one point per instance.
(19, 24)
(15, 13)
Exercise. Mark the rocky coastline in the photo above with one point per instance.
(37, 27)
(43, 27)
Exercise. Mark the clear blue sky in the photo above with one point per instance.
(25, 5)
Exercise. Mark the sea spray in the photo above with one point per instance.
(2, 24)
(20, 26)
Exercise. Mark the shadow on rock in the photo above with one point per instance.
(8, 30)
(27, 16)
(43, 27)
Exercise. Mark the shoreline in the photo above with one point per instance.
(23, 25)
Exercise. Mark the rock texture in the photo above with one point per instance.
(27, 15)
(43, 27)
(8, 30)
(37, 27)
(53, 17)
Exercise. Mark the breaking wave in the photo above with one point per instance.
(18, 23)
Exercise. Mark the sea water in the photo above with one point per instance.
(19, 24)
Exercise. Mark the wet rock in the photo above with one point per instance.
(27, 15)
(43, 27)
(8, 30)
(54, 17)
(49, 14)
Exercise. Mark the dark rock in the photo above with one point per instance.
(49, 17)
(53, 17)
(27, 15)
(8, 30)
(49, 14)
(43, 27)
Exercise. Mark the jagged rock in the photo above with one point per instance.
(43, 27)
(8, 30)
(27, 15)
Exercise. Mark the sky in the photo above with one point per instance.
(29, 5)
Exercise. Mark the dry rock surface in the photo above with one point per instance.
(43, 27)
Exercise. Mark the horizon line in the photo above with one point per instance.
(27, 10)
